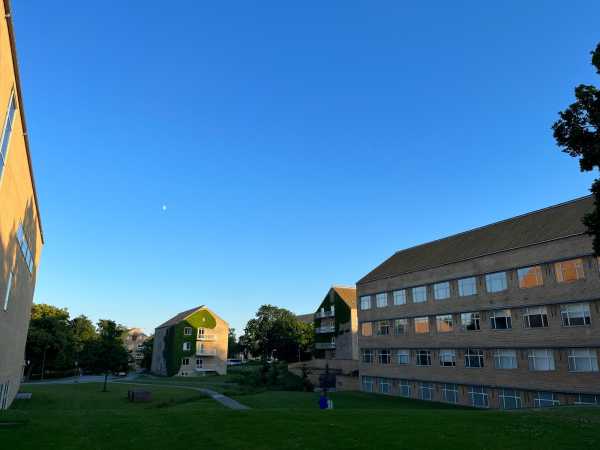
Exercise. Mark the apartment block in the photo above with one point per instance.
(503, 316)
(21, 237)
(191, 343)
(134, 340)
(336, 325)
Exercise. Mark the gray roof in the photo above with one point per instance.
(179, 317)
(555, 222)
(306, 318)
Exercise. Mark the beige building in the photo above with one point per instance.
(336, 324)
(503, 316)
(191, 343)
(21, 236)
(134, 340)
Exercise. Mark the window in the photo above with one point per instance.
(496, 282)
(419, 294)
(185, 361)
(7, 130)
(400, 297)
(367, 329)
(403, 357)
(384, 356)
(426, 391)
(421, 325)
(8, 289)
(199, 363)
(25, 248)
(423, 358)
(510, 399)
(501, 319)
(441, 291)
(545, 400)
(470, 321)
(384, 385)
(404, 388)
(367, 384)
(569, 271)
(467, 286)
(381, 300)
(588, 399)
(365, 302)
(187, 331)
(505, 359)
(450, 393)
(400, 326)
(478, 396)
(473, 358)
(575, 315)
(187, 346)
(583, 360)
(444, 323)
(530, 277)
(448, 358)
(536, 317)
(367, 356)
(383, 328)
(541, 360)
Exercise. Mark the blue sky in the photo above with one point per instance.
(295, 147)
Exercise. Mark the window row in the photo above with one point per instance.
(474, 395)
(571, 315)
(528, 277)
(24, 245)
(579, 359)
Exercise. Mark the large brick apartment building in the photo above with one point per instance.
(502, 316)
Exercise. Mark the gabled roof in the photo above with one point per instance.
(305, 318)
(548, 224)
(347, 293)
(179, 317)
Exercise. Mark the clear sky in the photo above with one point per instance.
(294, 147)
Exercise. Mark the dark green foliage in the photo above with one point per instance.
(577, 132)
(147, 348)
(233, 346)
(274, 376)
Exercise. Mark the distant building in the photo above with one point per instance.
(502, 316)
(134, 340)
(336, 325)
(21, 237)
(191, 343)
(306, 318)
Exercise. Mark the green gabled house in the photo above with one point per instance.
(194, 342)
(336, 325)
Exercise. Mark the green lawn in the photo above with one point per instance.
(81, 417)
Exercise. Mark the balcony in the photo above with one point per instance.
(323, 314)
(207, 337)
(325, 329)
(206, 352)
(325, 345)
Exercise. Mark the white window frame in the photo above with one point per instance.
(510, 395)
(479, 392)
(426, 354)
(405, 388)
(524, 271)
(447, 358)
(474, 317)
(501, 314)
(441, 291)
(536, 358)
(450, 393)
(388, 386)
(595, 398)
(573, 311)
(367, 356)
(7, 130)
(381, 300)
(187, 331)
(384, 354)
(583, 360)
(425, 387)
(367, 381)
(8, 289)
(537, 401)
(187, 346)
(472, 355)
(467, 286)
(496, 282)
(404, 327)
(403, 357)
(541, 311)
(199, 363)
(400, 297)
(443, 319)
(560, 273)
(416, 294)
(422, 320)
(383, 325)
(365, 302)
(505, 359)
(185, 361)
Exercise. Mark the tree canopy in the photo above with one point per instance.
(577, 132)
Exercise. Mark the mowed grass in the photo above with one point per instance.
(81, 417)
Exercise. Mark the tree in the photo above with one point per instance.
(49, 340)
(577, 132)
(83, 331)
(147, 349)
(233, 346)
(106, 353)
(274, 333)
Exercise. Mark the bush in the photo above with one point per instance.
(273, 376)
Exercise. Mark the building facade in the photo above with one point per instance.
(336, 325)
(21, 236)
(503, 316)
(134, 340)
(191, 343)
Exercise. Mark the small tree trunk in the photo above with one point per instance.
(43, 363)
(105, 382)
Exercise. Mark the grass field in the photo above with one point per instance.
(81, 417)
